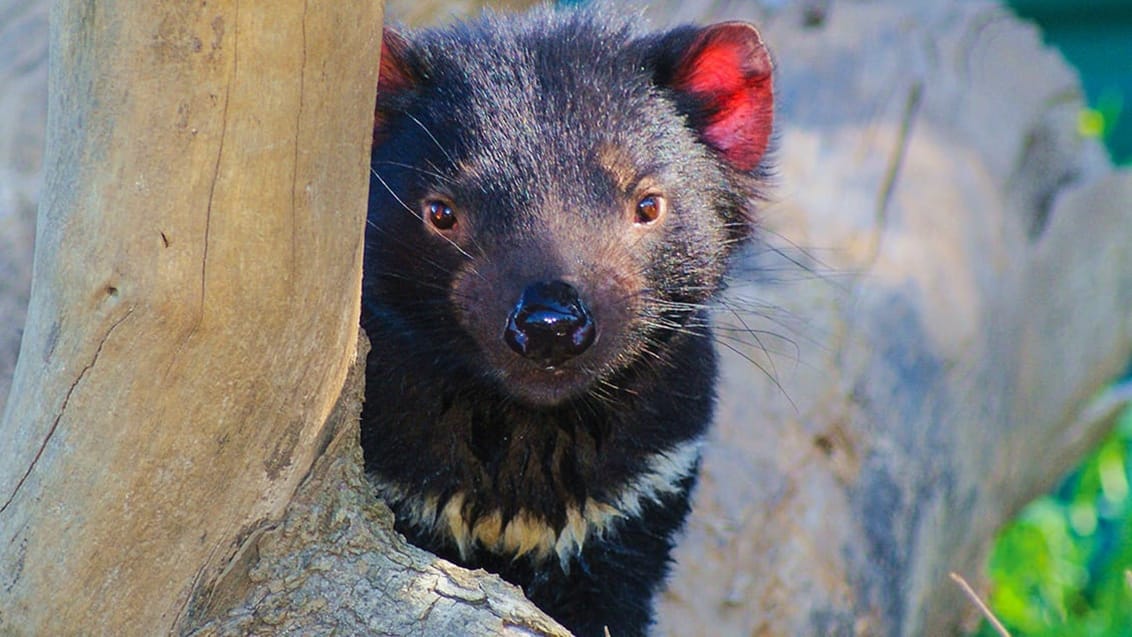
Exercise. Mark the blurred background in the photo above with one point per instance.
(1064, 566)
(1096, 37)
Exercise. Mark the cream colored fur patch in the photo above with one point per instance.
(526, 533)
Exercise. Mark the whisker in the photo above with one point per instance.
(411, 211)
(432, 137)
(402, 243)
(435, 174)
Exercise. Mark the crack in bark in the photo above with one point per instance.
(199, 318)
(63, 409)
(892, 175)
(216, 168)
(181, 612)
(298, 141)
(424, 615)
(896, 161)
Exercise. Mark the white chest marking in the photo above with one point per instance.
(527, 533)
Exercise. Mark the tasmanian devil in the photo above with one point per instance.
(554, 201)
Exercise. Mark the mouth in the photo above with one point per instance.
(547, 386)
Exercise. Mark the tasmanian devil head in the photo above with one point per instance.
(548, 212)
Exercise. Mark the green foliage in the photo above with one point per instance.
(1064, 566)
(1101, 122)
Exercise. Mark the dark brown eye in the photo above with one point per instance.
(650, 208)
(440, 214)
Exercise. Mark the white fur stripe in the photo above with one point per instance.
(527, 533)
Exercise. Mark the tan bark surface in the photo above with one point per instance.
(195, 300)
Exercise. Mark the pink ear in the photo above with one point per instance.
(728, 70)
(394, 76)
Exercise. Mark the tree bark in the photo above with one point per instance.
(195, 299)
(334, 565)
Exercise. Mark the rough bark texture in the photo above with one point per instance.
(333, 564)
(913, 352)
(195, 300)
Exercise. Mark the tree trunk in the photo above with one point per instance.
(195, 298)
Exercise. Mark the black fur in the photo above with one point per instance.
(542, 132)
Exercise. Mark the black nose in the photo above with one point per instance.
(550, 324)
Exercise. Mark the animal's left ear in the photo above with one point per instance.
(723, 78)
(398, 78)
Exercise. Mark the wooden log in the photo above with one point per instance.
(195, 299)
(333, 564)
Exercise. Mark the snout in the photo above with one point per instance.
(549, 324)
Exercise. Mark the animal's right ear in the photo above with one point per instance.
(397, 77)
(723, 79)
